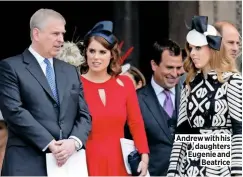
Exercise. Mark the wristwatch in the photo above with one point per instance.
(77, 145)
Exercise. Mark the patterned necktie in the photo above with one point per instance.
(50, 76)
(168, 105)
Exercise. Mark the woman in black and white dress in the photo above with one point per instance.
(211, 102)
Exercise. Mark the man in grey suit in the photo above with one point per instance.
(159, 103)
(42, 101)
(231, 41)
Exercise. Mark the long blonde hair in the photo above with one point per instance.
(219, 62)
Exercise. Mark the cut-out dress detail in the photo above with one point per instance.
(103, 149)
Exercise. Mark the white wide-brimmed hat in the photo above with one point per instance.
(203, 34)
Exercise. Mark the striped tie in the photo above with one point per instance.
(50, 76)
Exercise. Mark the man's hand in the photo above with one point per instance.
(65, 149)
(53, 147)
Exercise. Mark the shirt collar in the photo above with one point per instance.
(38, 57)
(158, 89)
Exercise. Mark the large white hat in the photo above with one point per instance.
(203, 34)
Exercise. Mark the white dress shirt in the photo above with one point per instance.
(43, 65)
(40, 60)
(161, 95)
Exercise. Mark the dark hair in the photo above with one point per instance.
(114, 67)
(184, 54)
(137, 75)
(160, 46)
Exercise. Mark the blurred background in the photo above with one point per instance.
(139, 24)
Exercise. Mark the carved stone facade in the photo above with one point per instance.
(239, 16)
(182, 12)
(222, 10)
(180, 15)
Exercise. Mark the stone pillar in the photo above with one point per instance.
(208, 8)
(180, 15)
(127, 27)
(222, 10)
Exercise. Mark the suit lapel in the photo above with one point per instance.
(60, 78)
(157, 111)
(34, 68)
(178, 98)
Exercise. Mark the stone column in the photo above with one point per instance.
(180, 15)
(127, 27)
(222, 10)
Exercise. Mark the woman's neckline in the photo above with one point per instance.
(91, 81)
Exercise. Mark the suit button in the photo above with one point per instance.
(54, 105)
(60, 122)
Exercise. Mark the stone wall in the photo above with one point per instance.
(222, 10)
(180, 15)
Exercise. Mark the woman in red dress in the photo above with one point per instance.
(112, 101)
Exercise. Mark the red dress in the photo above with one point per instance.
(103, 149)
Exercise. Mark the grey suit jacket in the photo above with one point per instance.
(33, 116)
(159, 137)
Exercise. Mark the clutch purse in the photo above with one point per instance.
(134, 159)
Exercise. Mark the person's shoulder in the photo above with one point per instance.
(12, 59)
(125, 80)
(13, 62)
(63, 63)
(66, 65)
(143, 90)
(229, 76)
(182, 79)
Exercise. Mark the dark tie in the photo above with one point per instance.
(50, 76)
(168, 105)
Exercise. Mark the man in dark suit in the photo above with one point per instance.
(42, 101)
(159, 103)
(231, 40)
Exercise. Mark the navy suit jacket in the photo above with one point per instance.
(33, 116)
(159, 137)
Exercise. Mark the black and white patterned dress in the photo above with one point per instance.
(209, 107)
